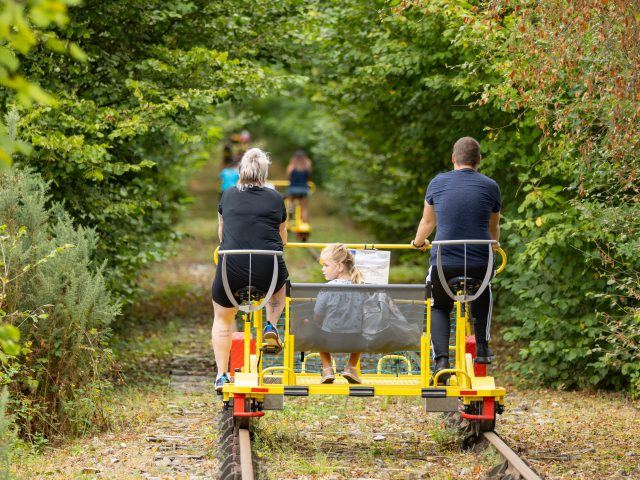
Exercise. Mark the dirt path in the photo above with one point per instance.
(167, 430)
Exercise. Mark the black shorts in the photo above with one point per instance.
(238, 277)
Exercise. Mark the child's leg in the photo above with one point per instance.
(350, 370)
(354, 358)
(326, 359)
(328, 375)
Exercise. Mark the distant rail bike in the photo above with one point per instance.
(295, 224)
(396, 331)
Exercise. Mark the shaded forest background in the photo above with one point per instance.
(108, 107)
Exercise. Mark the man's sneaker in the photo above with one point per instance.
(221, 379)
(483, 353)
(442, 363)
(272, 339)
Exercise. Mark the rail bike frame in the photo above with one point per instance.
(470, 390)
(294, 211)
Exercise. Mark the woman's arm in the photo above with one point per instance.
(283, 232)
(220, 227)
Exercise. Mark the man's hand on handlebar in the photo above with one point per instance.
(423, 248)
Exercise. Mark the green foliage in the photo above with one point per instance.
(549, 91)
(6, 434)
(22, 28)
(573, 68)
(398, 103)
(132, 119)
(56, 297)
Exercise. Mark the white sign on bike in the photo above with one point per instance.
(374, 265)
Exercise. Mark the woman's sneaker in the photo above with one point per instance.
(221, 379)
(272, 339)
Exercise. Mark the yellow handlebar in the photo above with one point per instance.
(371, 246)
(386, 246)
(285, 183)
(355, 246)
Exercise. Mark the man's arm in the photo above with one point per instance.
(494, 227)
(220, 227)
(426, 226)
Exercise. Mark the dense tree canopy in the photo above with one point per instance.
(133, 117)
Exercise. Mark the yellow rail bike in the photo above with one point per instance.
(295, 224)
(396, 330)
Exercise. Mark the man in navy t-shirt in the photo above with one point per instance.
(461, 204)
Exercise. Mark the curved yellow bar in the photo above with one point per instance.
(392, 357)
(303, 366)
(215, 255)
(274, 369)
(503, 265)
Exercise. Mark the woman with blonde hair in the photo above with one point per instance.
(340, 312)
(251, 216)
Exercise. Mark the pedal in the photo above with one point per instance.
(271, 349)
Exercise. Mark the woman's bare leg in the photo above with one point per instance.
(304, 213)
(275, 306)
(221, 332)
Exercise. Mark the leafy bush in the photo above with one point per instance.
(56, 296)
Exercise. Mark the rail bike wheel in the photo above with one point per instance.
(480, 426)
(229, 447)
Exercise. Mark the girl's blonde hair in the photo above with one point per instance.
(253, 169)
(338, 253)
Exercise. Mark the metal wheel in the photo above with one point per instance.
(228, 447)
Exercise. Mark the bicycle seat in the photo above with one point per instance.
(468, 284)
(248, 294)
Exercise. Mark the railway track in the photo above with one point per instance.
(242, 465)
(511, 457)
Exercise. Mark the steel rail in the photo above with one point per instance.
(246, 462)
(511, 457)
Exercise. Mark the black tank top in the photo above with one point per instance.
(299, 178)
